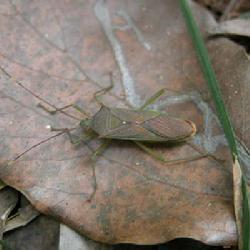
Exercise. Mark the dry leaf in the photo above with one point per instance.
(239, 27)
(24, 216)
(232, 67)
(8, 201)
(42, 233)
(64, 53)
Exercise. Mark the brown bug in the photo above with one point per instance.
(137, 125)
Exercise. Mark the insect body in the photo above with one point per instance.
(140, 125)
(137, 125)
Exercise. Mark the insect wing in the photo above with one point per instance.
(132, 132)
(170, 128)
(134, 116)
(146, 125)
(123, 124)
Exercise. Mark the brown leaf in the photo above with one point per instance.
(239, 27)
(232, 67)
(235, 85)
(42, 233)
(8, 201)
(24, 216)
(63, 52)
(69, 239)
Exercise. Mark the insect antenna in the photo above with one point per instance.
(101, 92)
(35, 145)
(45, 101)
(19, 83)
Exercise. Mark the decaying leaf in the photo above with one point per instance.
(21, 218)
(234, 79)
(236, 95)
(69, 239)
(8, 200)
(41, 233)
(64, 54)
(239, 27)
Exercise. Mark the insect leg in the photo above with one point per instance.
(98, 94)
(79, 109)
(150, 151)
(67, 131)
(160, 157)
(97, 152)
(101, 149)
(74, 141)
(53, 111)
(153, 98)
(94, 180)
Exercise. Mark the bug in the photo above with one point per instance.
(137, 125)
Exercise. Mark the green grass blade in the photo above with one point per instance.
(209, 75)
(223, 116)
